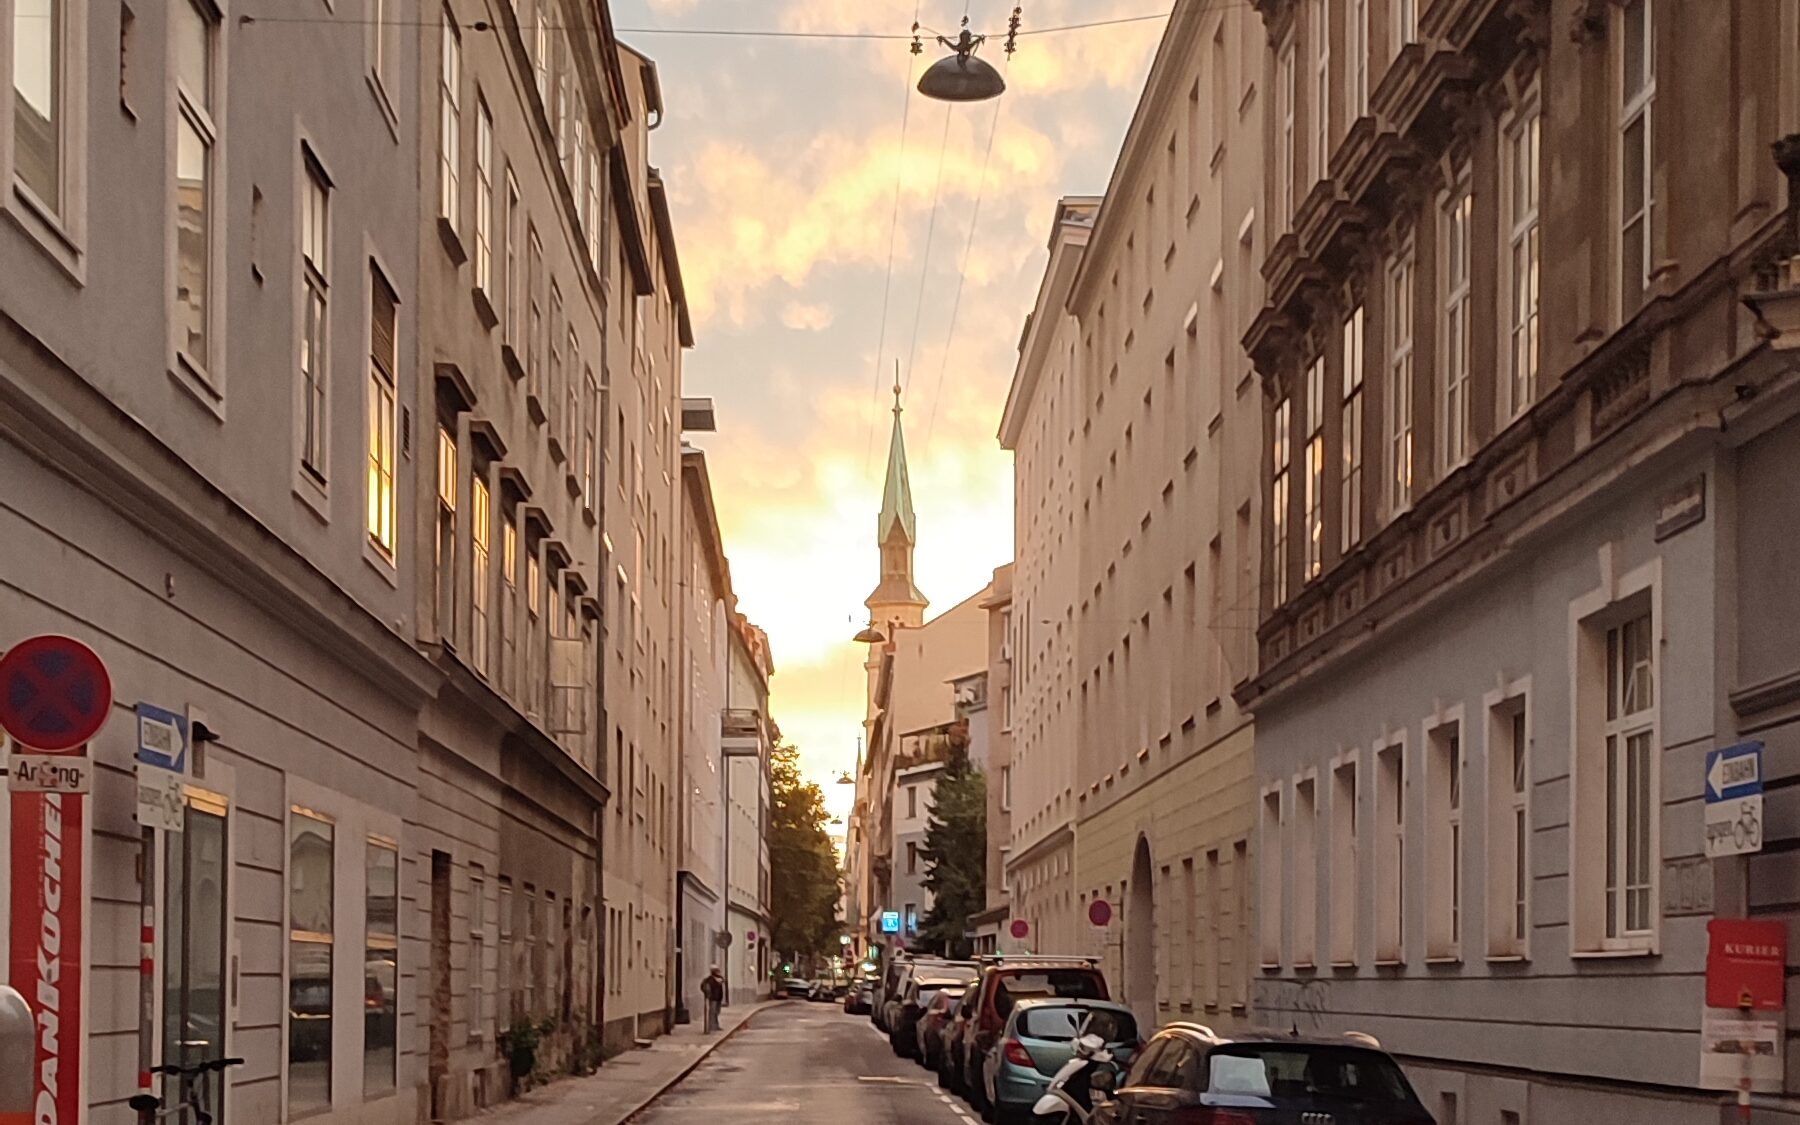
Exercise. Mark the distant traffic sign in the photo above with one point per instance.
(54, 693)
(1100, 912)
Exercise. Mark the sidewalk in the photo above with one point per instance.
(626, 1084)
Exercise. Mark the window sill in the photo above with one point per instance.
(313, 494)
(515, 367)
(188, 376)
(1343, 964)
(1611, 954)
(42, 226)
(452, 241)
(484, 308)
(558, 455)
(384, 104)
(534, 406)
(1507, 959)
(1444, 959)
(380, 562)
(1390, 963)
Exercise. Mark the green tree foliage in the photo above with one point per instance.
(803, 866)
(956, 853)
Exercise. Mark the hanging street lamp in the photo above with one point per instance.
(961, 77)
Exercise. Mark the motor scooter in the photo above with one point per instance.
(1086, 1080)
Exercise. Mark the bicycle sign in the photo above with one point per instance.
(1734, 800)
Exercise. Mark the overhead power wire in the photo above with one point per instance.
(912, 350)
(888, 279)
(252, 18)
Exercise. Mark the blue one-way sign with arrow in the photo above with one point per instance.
(1734, 772)
(1734, 799)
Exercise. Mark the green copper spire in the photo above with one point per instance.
(896, 498)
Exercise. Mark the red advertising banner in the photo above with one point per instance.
(47, 847)
(1746, 964)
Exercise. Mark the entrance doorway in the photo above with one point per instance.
(1140, 936)
(196, 862)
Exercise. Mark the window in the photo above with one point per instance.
(534, 644)
(195, 136)
(1278, 503)
(912, 918)
(381, 968)
(1350, 512)
(1240, 915)
(1321, 107)
(479, 1013)
(1344, 869)
(912, 858)
(382, 415)
(481, 535)
(484, 196)
(1314, 545)
(572, 388)
(509, 234)
(1390, 854)
(509, 600)
(450, 124)
(1520, 154)
(912, 801)
(503, 971)
(1286, 93)
(1443, 794)
(40, 86)
(1005, 707)
(1306, 872)
(311, 867)
(1630, 802)
(314, 239)
(1210, 932)
(1406, 23)
(1453, 325)
(534, 319)
(1508, 826)
(1271, 878)
(1637, 94)
(1400, 381)
(590, 456)
(447, 482)
(385, 16)
(1359, 58)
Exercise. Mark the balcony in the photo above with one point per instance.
(742, 723)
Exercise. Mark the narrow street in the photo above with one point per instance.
(808, 1064)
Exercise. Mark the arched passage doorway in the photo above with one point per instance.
(1140, 937)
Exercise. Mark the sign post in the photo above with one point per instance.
(55, 695)
(1734, 800)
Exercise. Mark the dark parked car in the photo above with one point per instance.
(927, 981)
(950, 1039)
(1004, 982)
(1186, 1072)
(931, 1025)
(859, 997)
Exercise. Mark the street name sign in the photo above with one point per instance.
(50, 773)
(1734, 800)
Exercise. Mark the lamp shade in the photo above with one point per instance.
(961, 77)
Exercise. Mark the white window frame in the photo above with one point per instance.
(1305, 833)
(384, 43)
(1280, 492)
(1456, 208)
(1313, 509)
(312, 417)
(1635, 108)
(381, 520)
(1521, 263)
(1350, 480)
(1446, 796)
(203, 374)
(58, 226)
(1390, 821)
(484, 197)
(513, 245)
(1344, 888)
(1272, 872)
(481, 524)
(478, 944)
(1320, 30)
(1508, 829)
(445, 590)
(1286, 94)
(509, 601)
(450, 122)
(1400, 310)
(1619, 597)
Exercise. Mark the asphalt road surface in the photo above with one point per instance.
(807, 1064)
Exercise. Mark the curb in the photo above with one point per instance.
(633, 1113)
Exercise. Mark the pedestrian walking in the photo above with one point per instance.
(713, 990)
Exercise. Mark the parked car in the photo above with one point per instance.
(1188, 1072)
(931, 1025)
(859, 998)
(796, 989)
(1038, 1038)
(898, 981)
(950, 1038)
(1004, 982)
(927, 981)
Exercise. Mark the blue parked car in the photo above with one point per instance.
(1039, 1038)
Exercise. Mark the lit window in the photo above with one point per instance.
(382, 416)
(509, 600)
(40, 149)
(1351, 510)
(314, 242)
(1279, 442)
(450, 124)
(381, 969)
(1521, 154)
(481, 531)
(1637, 203)
(195, 136)
(484, 197)
(1400, 382)
(1453, 326)
(1314, 545)
(1630, 801)
(448, 480)
(311, 864)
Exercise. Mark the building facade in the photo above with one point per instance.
(750, 736)
(1039, 425)
(1520, 416)
(987, 707)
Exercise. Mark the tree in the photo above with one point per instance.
(956, 853)
(803, 866)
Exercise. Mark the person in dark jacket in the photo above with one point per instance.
(712, 989)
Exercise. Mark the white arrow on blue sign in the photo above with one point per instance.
(162, 738)
(1734, 772)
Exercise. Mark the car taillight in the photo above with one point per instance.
(1017, 1055)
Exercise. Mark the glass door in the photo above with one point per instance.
(195, 1004)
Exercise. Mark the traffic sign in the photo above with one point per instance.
(162, 738)
(1746, 964)
(1734, 772)
(890, 921)
(1100, 912)
(161, 800)
(54, 693)
(1020, 928)
(749, 937)
(50, 773)
(1734, 800)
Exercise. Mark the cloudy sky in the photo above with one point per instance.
(788, 162)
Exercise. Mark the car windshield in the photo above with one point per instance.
(1323, 1072)
(1060, 984)
(1060, 1025)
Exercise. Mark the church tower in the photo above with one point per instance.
(896, 600)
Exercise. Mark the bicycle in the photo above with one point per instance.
(1747, 829)
(149, 1108)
